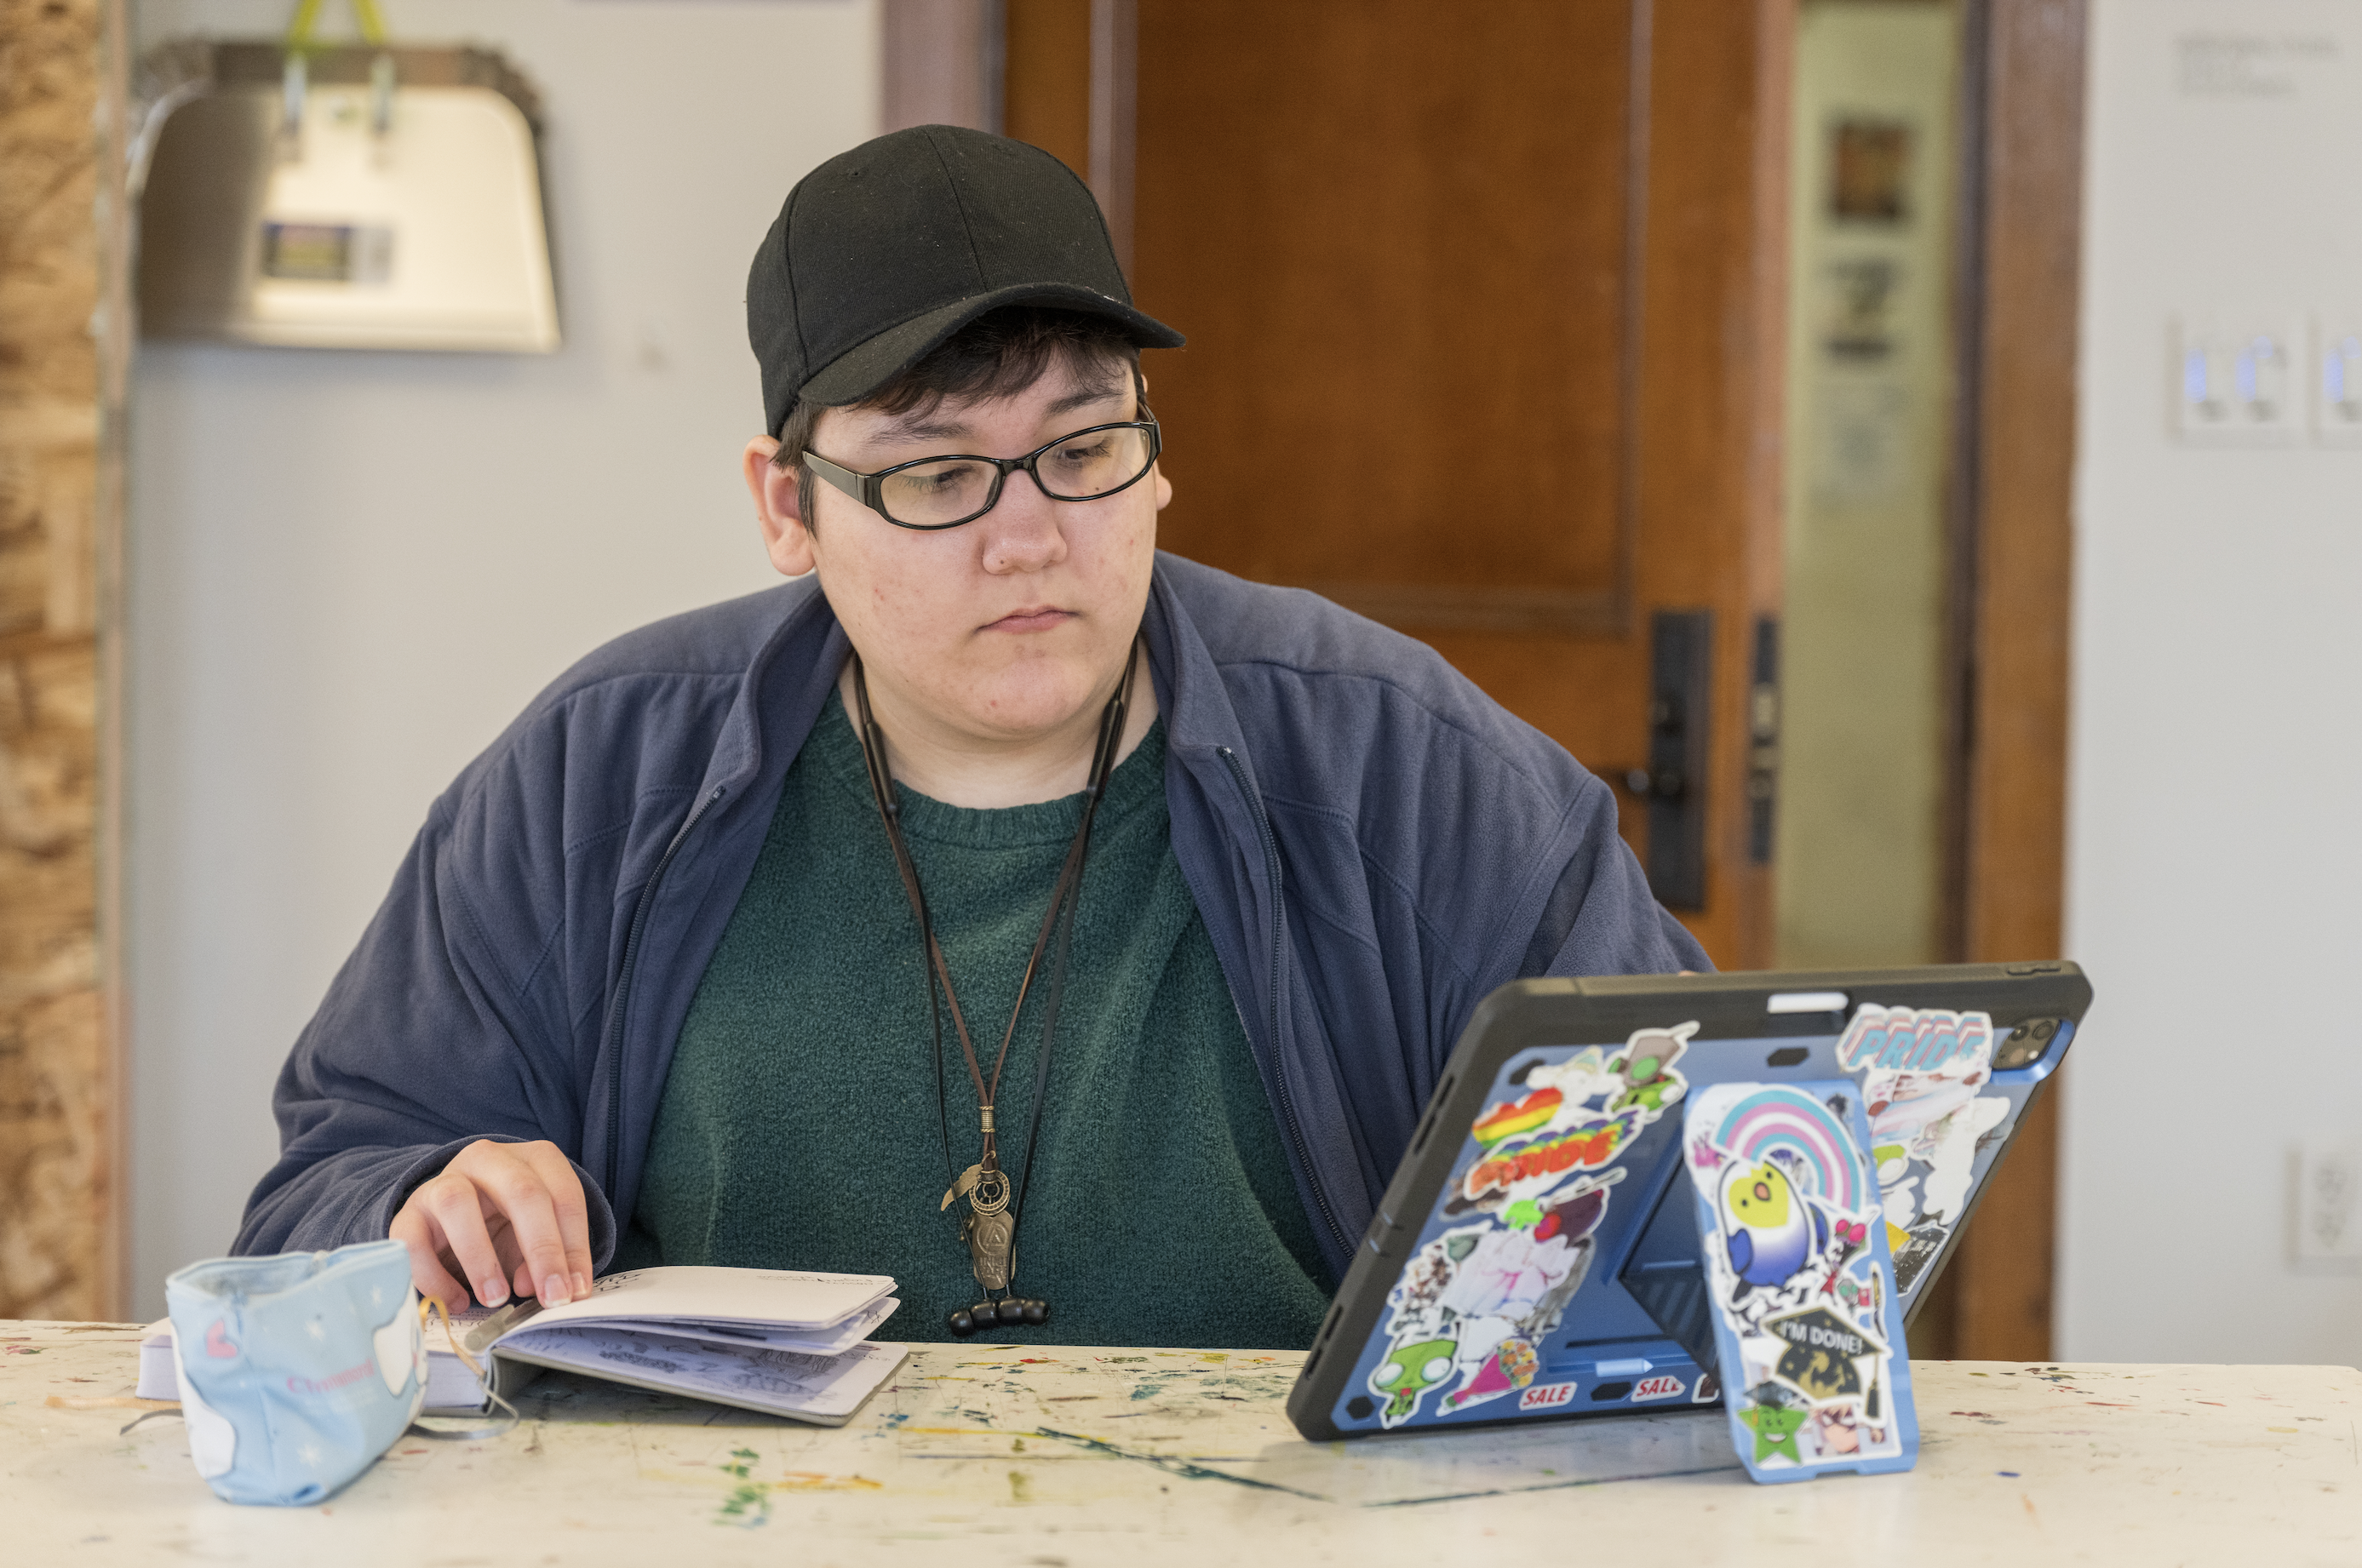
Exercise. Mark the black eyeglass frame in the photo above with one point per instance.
(869, 489)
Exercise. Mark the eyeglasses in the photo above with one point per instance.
(944, 492)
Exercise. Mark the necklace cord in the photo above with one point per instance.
(1065, 898)
(1111, 725)
(1040, 1079)
(881, 790)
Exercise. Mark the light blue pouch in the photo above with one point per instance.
(296, 1371)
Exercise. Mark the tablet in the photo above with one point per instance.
(1538, 1255)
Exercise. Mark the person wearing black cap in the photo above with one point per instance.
(1069, 930)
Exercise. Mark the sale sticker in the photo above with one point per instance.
(1546, 1397)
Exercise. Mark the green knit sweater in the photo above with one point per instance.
(800, 1126)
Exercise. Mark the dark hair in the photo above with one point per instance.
(997, 355)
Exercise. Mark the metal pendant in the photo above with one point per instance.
(990, 1235)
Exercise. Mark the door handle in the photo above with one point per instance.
(1763, 741)
(1681, 703)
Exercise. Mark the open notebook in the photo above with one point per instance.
(782, 1341)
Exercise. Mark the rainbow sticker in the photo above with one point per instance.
(1781, 1118)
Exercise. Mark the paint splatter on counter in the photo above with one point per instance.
(1209, 1469)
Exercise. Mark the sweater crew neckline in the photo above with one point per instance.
(1136, 782)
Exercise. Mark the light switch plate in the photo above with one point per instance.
(2238, 381)
(2337, 379)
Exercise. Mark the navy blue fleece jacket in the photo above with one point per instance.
(1373, 843)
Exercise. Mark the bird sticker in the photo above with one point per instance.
(1769, 1230)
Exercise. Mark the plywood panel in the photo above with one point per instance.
(56, 1104)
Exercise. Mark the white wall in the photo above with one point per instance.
(348, 570)
(2216, 883)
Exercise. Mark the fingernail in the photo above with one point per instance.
(493, 1292)
(581, 1286)
(554, 1292)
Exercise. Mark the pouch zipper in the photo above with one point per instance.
(1279, 1064)
(613, 1034)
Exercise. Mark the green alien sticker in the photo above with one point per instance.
(1410, 1372)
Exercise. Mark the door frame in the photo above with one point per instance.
(2012, 598)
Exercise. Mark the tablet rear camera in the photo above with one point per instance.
(2026, 1043)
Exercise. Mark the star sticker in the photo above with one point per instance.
(1774, 1430)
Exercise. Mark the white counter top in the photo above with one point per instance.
(1018, 1454)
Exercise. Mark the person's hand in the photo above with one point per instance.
(501, 1218)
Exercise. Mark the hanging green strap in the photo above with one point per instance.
(307, 17)
(298, 70)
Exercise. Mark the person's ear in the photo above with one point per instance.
(1163, 485)
(779, 508)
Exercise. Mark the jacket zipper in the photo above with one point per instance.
(1279, 1061)
(614, 1031)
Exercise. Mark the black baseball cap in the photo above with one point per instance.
(883, 252)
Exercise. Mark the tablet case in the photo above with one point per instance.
(1538, 1254)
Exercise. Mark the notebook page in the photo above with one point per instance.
(766, 1297)
(825, 1388)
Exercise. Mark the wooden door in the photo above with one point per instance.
(1483, 306)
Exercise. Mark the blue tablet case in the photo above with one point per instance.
(1542, 1254)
